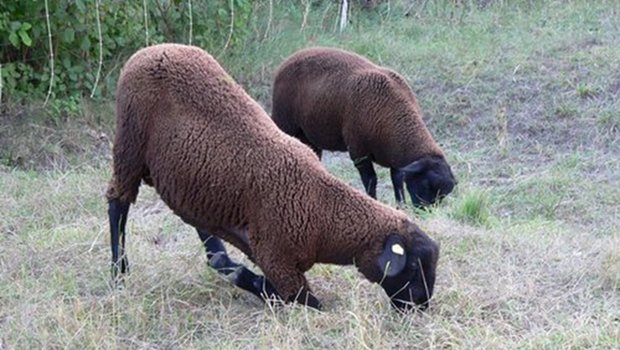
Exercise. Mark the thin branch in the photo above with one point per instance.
(269, 19)
(49, 38)
(419, 11)
(0, 84)
(304, 21)
(146, 22)
(232, 25)
(343, 14)
(92, 93)
(191, 23)
(408, 10)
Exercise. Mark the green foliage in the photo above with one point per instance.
(18, 34)
(25, 52)
(585, 91)
(545, 261)
(59, 109)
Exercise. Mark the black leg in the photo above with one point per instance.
(308, 299)
(369, 177)
(240, 275)
(302, 137)
(318, 151)
(117, 214)
(397, 182)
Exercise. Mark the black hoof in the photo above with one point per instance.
(265, 289)
(313, 302)
(257, 285)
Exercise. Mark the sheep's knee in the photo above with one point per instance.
(291, 284)
(238, 274)
(255, 284)
(299, 293)
(242, 277)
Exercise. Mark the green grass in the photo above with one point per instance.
(523, 96)
(472, 207)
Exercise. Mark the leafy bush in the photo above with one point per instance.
(73, 24)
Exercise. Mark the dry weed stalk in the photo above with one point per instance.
(146, 22)
(92, 94)
(191, 23)
(49, 38)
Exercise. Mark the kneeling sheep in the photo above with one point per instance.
(220, 163)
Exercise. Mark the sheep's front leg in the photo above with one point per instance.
(302, 137)
(240, 275)
(367, 172)
(117, 215)
(398, 178)
(289, 281)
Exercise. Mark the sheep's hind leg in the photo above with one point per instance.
(240, 275)
(397, 182)
(117, 215)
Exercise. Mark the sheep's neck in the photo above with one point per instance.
(416, 144)
(358, 223)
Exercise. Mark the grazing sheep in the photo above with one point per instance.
(220, 163)
(337, 100)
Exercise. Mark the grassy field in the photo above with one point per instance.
(524, 98)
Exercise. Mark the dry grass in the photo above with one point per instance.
(535, 284)
(526, 105)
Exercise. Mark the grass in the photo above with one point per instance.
(472, 207)
(522, 96)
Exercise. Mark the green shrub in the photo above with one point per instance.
(77, 46)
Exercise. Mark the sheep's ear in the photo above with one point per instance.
(416, 167)
(394, 257)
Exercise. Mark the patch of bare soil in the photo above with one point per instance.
(29, 141)
(541, 111)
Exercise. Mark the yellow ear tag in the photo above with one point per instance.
(398, 249)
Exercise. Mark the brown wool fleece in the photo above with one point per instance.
(219, 162)
(342, 101)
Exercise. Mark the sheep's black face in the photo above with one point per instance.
(409, 279)
(428, 180)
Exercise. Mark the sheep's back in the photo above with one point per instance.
(342, 101)
(211, 151)
(311, 94)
